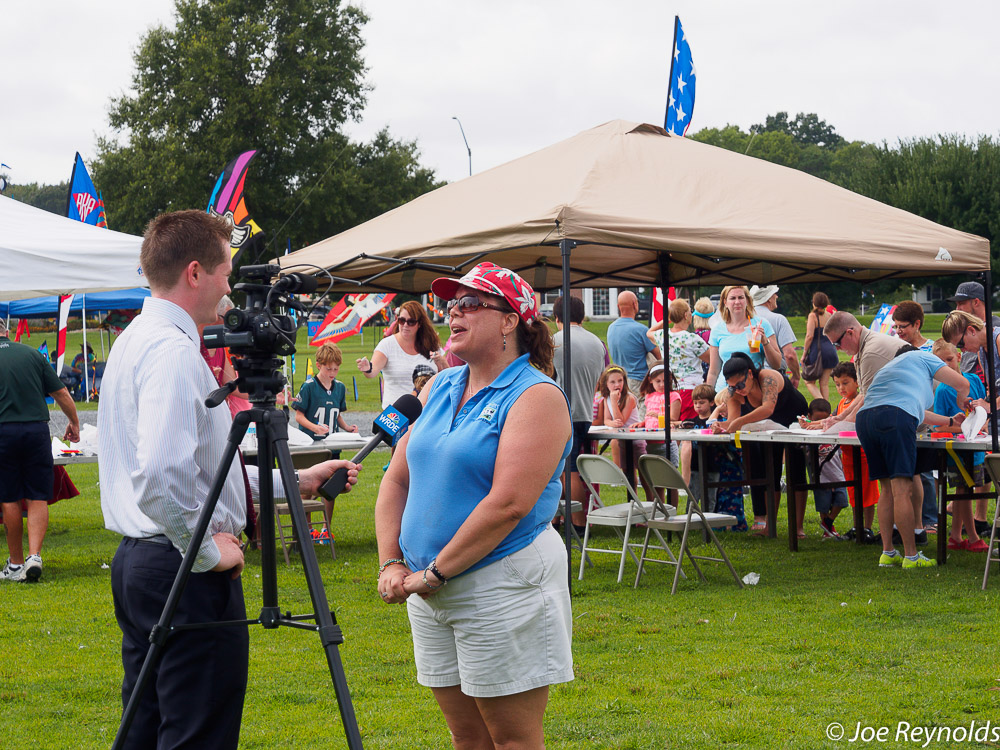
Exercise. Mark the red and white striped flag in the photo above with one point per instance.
(65, 300)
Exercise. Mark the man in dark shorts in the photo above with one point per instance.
(587, 364)
(26, 450)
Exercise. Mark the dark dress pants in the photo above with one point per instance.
(195, 696)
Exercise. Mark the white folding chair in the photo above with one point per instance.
(993, 467)
(286, 532)
(658, 472)
(598, 470)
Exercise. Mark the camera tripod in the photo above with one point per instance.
(259, 378)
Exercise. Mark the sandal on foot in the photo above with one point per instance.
(759, 528)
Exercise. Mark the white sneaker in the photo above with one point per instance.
(32, 568)
(12, 572)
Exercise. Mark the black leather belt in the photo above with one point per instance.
(160, 539)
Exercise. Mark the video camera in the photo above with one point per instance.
(260, 333)
(261, 327)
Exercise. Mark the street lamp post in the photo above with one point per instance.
(466, 143)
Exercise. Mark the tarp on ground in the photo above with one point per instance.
(630, 194)
(43, 254)
(48, 307)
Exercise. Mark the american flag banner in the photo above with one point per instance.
(681, 85)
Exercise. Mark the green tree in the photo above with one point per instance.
(50, 198)
(281, 76)
(806, 129)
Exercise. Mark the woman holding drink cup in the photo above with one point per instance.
(740, 331)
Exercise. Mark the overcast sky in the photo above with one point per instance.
(523, 74)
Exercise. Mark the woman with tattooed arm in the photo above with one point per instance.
(755, 395)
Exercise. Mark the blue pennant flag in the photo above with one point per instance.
(680, 91)
(84, 203)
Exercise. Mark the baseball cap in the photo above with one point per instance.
(968, 290)
(493, 279)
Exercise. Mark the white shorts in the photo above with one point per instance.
(500, 630)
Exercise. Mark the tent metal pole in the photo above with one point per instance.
(991, 346)
(565, 248)
(663, 261)
(86, 363)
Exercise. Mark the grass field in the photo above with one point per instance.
(826, 636)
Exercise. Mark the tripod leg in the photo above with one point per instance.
(161, 631)
(329, 631)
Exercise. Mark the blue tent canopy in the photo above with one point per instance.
(48, 307)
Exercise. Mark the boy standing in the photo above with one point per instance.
(322, 400)
(845, 380)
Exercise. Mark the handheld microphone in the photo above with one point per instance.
(388, 427)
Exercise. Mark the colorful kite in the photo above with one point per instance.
(227, 203)
(348, 315)
(84, 203)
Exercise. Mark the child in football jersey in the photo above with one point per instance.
(322, 400)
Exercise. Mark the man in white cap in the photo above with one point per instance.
(765, 302)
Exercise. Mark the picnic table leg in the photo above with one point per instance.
(769, 495)
(942, 492)
(791, 508)
(859, 500)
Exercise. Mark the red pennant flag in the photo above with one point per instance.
(22, 330)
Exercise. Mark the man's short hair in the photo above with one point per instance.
(173, 240)
(576, 309)
(329, 354)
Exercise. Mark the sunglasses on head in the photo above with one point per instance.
(471, 303)
(408, 321)
(739, 386)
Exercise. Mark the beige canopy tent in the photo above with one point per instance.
(626, 204)
(629, 197)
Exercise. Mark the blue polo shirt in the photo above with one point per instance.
(452, 454)
(629, 345)
(906, 382)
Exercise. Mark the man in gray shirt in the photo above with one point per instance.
(588, 360)
(765, 302)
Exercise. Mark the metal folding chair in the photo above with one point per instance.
(993, 467)
(595, 471)
(658, 472)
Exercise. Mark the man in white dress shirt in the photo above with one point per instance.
(160, 448)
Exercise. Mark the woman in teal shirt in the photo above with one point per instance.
(464, 514)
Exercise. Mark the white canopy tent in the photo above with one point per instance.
(44, 254)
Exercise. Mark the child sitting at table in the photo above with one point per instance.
(945, 403)
(729, 462)
(652, 388)
(829, 502)
(703, 401)
(845, 380)
(620, 411)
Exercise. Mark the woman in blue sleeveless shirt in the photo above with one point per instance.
(464, 515)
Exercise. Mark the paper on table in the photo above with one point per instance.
(974, 423)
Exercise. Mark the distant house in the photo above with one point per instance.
(928, 295)
(602, 304)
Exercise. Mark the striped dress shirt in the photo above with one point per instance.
(159, 445)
